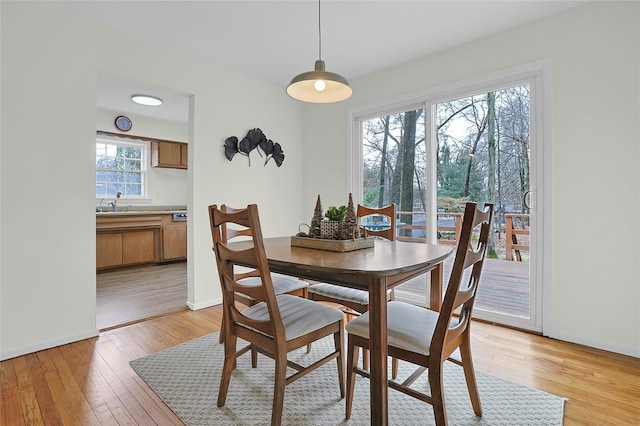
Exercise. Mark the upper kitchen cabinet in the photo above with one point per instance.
(169, 154)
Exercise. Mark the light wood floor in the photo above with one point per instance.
(124, 296)
(91, 383)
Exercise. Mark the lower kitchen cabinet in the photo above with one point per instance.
(174, 240)
(139, 247)
(139, 239)
(126, 248)
(108, 250)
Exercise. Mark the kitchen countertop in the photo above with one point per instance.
(139, 212)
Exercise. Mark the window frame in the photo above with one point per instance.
(538, 75)
(144, 160)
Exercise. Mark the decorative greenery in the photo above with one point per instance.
(254, 139)
(336, 213)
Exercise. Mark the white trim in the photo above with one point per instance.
(48, 344)
(206, 304)
(545, 224)
(431, 174)
(598, 344)
(354, 156)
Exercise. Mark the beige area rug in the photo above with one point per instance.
(187, 377)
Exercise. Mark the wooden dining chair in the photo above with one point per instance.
(428, 338)
(282, 284)
(277, 324)
(356, 302)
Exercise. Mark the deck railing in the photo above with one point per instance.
(447, 233)
(515, 224)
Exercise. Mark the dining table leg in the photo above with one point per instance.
(378, 351)
(435, 289)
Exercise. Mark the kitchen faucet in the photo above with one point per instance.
(114, 203)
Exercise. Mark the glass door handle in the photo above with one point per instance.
(525, 199)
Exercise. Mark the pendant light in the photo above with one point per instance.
(319, 86)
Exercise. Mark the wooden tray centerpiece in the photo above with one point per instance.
(339, 232)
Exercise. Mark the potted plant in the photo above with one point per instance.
(331, 228)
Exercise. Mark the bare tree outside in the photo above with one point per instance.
(482, 156)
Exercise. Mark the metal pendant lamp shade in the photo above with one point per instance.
(319, 86)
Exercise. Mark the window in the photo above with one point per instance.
(394, 161)
(120, 167)
(479, 140)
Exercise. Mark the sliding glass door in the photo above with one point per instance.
(431, 157)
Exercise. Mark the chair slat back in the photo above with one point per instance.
(460, 294)
(249, 253)
(389, 211)
(228, 233)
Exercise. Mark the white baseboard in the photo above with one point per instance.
(606, 346)
(4, 355)
(202, 305)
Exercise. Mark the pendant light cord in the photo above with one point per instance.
(319, 34)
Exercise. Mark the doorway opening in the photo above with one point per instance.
(141, 203)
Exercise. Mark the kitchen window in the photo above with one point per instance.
(121, 168)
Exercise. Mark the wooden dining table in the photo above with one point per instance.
(376, 269)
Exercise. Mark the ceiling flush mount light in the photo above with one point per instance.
(319, 86)
(146, 100)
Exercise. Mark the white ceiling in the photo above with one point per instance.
(275, 40)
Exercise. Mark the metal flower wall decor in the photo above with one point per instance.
(254, 139)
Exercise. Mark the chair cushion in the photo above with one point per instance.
(341, 293)
(299, 316)
(409, 327)
(281, 283)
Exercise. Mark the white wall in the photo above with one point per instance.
(47, 262)
(143, 126)
(50, 65)
(166, 187)
(595, 137)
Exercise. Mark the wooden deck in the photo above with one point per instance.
(504, 287)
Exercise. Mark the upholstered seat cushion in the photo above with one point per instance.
(409, 327)
(339, 292)
(300, 316)
(281, 283)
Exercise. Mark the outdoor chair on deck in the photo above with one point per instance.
(427, 338)
(276, 324)
(282, 284)
(356, 301)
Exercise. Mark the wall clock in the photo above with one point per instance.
(123, 123)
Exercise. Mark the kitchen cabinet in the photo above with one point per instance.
(108, 250)
(169, 154)
(174, 239)
(133, 239)
(184, 155)
(139, 247)
(126, 248)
